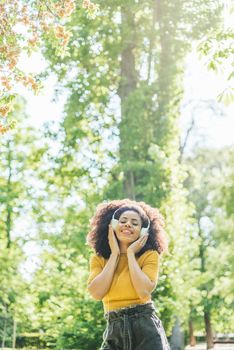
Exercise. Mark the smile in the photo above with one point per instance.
(127, 232)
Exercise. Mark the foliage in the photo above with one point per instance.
(23, 25)
(216, 48)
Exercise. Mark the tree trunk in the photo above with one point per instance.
(4, 333)
(151, 41)
(126, 87)
(202, 247)
(14, 334)
(9, 208)
(207, 316)
(129, 185)
(177, 337)
(128, 70)
(209, 334)
(192, 339)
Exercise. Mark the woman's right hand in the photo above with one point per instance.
(113, 243)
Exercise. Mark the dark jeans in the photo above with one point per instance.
(136, 328)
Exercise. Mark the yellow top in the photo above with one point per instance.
(121, 292)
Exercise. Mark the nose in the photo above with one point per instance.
(128, 224)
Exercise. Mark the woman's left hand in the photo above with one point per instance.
(136, 246)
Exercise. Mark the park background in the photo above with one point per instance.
(137, 104)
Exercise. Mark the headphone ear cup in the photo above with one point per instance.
(114, 223)
(144, 231)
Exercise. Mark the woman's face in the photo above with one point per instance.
(129, 226)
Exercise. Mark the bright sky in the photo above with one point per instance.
(201, 84)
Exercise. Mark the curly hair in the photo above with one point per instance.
(97, 238)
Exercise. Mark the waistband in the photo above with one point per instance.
(111, 315)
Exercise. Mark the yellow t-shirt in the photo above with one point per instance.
(122, 292)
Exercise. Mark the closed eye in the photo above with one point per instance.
(134, 223)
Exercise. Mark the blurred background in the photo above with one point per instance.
(138, 105)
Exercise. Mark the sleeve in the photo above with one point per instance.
(151, 265)
(95, 267)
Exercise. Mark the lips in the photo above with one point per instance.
(127, 232)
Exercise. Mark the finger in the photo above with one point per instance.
(144, 237)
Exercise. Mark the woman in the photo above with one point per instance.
(128, 239)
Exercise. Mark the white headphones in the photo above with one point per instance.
(114, 223)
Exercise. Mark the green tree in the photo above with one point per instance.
(213, 234)
(13, 192)
(20, 155)
(120, 132)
